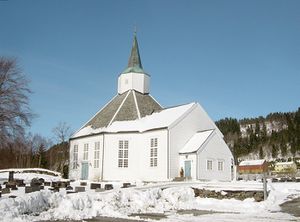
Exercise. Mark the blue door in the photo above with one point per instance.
(187, 168)
(84, 171)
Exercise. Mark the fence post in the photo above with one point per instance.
(265, 186)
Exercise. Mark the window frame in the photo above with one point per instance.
(85, 152)
(123, 154)
(97, 155)
(221, 163)
(154, 152)
(209, 165)
(75, 157)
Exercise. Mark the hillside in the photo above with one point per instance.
(276, 136)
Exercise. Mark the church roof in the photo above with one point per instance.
(134, 62)
(157, 120)
(196, 142)
(130, 105)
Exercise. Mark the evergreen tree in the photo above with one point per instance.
(261, 153)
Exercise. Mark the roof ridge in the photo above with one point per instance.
(136, 104)
(184, 104)
(111, 121)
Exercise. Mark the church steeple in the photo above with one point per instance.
(134, 77)
(134, 62)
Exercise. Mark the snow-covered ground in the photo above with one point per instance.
(46, 205)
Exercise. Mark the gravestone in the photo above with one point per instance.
(11, 176)
(79, 189)
(47, 184)
(20, 183)
(69, 188)
(12, 196)
(83, 183)
(70, 192)
(12, 185)
(95, 186)
(108, 186)
(5, 190)
(35, 182)
(31, 189)
(42, 180)
(125, 185)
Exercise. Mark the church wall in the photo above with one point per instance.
(139, 157)
(215, 150)
(93, 173)
(180, 134)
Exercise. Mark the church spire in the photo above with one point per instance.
(134, 62)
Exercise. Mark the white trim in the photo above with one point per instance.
(118, 109)
(136, 105)
(155, 101)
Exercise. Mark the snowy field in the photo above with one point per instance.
(120, 203)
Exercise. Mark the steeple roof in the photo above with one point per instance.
(131, 105)
(134, 62)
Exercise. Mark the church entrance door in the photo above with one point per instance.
(84, 171)
(187, 168)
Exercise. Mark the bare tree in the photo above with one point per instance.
(15, 113)
(62, 132)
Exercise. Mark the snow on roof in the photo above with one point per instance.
(196, 142)
(156, 120)
(284, 163)
(251, 162)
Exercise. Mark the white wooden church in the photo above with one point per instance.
(134, 138)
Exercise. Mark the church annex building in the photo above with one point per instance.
(134, 138)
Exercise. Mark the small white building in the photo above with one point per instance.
(134, 138)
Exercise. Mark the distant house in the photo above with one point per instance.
(252, 169)
(134, 138)
(285, 168)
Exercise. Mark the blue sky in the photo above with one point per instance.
(236, 58)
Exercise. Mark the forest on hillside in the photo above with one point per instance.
(274, 137)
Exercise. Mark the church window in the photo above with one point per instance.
(97, 155)
(153, 152)
(220, 165)
(86, 151)
(75, 157)
(123, 154)
(209, 164)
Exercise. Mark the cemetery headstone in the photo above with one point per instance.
(79, 189)
(95, 186)
(108, 186)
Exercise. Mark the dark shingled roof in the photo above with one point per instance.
(123, 108)
(147, 105)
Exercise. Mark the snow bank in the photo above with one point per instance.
(46, 205)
